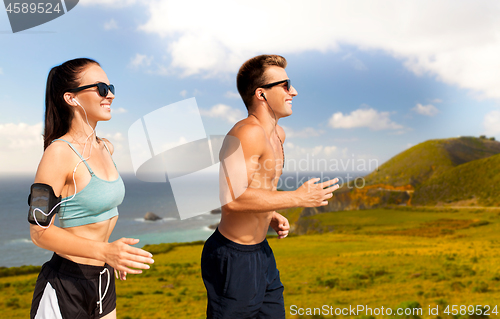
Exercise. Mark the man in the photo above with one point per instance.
(238, 266)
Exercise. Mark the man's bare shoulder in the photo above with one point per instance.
(248, 130)
(249, 135)
(281, 133)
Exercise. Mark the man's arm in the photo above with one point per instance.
(241, 196)
(258, 200)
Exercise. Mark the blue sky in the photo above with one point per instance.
(374, 78)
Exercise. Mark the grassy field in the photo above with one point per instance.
(384, 257)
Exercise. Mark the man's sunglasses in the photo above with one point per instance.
(288, 84)
(102, 88)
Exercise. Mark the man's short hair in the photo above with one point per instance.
(251, 75)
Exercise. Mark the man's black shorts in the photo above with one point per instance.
(65, 289)
(242, 281)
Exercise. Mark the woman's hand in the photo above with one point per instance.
(122, 256)
(122, 275)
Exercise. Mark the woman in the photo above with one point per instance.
(78, 281)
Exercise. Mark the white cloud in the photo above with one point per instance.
(344, 152)
(491, 123)
(427, 110)
(401, 132)
(346, 140)
(302, 133)
(370, 118)
(437, 101)
(140, 60)
(113, 137)
(113, 3)
(456, 43)
(195, 92)
(110, 25)
(119, 110)
(328, 150)
(22, 147)
(20, 136)
(356, 63)
(232, 95)
(224, 112)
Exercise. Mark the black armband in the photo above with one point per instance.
(43, 204)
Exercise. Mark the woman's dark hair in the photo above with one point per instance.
(58, 114)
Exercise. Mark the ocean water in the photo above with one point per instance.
(16, 248)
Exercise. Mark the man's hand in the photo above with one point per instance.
(280, 224)
(311, 194)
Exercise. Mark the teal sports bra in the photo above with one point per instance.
(96, 202)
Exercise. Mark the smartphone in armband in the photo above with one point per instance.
(43, 204)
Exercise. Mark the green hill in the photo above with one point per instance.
(478, 181)
(431, 158)
(442, 171)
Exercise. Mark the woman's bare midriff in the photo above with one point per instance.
(98, 232)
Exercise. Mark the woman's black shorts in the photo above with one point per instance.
(65, 289)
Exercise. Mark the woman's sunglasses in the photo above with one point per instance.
(288, 84)
(102, 88)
